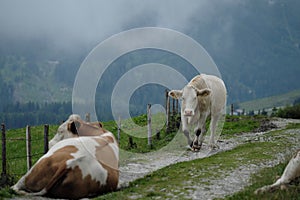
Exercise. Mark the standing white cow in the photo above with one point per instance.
(203, 96)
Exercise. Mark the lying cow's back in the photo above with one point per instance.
(75, 168)
(218, 94)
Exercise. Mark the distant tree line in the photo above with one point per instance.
(17, 115)
(290, 111)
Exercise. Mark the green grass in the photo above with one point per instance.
(16, 148)
(170, 182)
(157, 184)
(241, 124)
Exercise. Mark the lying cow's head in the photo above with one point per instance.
(75, 127)
(190, 97)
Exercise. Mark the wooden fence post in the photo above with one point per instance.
(3, 173)
(167, 111)
(149, 125)
(28, 147)
(231, 109)
(88, 117)
(119, 129)
(46, 138)
(177, 106)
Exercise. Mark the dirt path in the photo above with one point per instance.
(228, 184)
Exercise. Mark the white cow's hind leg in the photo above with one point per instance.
(19, 186)
(213, 126)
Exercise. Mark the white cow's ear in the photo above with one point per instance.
(72, 127)
(176, 94)
(204, 92)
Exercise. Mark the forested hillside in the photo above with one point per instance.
(255, 44)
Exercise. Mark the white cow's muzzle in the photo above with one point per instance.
(189, 112)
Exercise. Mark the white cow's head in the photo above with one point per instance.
(75, 127)
(190, 97)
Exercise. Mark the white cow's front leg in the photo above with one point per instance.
(185, 130)
(199, 135)
(196, 145)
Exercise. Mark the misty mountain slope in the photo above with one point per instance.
(33, 81)
(258, 53)
(255, 44)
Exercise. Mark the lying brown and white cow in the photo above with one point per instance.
(81, 162)
(290, 173)
(203, 96)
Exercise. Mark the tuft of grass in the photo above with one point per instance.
(293, 126)
(241, 124)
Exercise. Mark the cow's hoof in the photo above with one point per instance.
(214, 146)
(196, 148)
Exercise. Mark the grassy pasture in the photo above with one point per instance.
(157, 184)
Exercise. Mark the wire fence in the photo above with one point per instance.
(18, 148)
(29, 144)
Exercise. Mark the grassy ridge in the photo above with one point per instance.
(270, 102)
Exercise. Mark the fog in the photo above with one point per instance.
(66, 22)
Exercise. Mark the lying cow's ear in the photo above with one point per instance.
(72, 127)
(176, 94)
(204, 92)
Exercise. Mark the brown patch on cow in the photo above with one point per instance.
(109, 139)
(106, 157)
(112, 178)
(48, 169)
(105, 154)
(90, 129)
(96, 124)
(73, 186)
